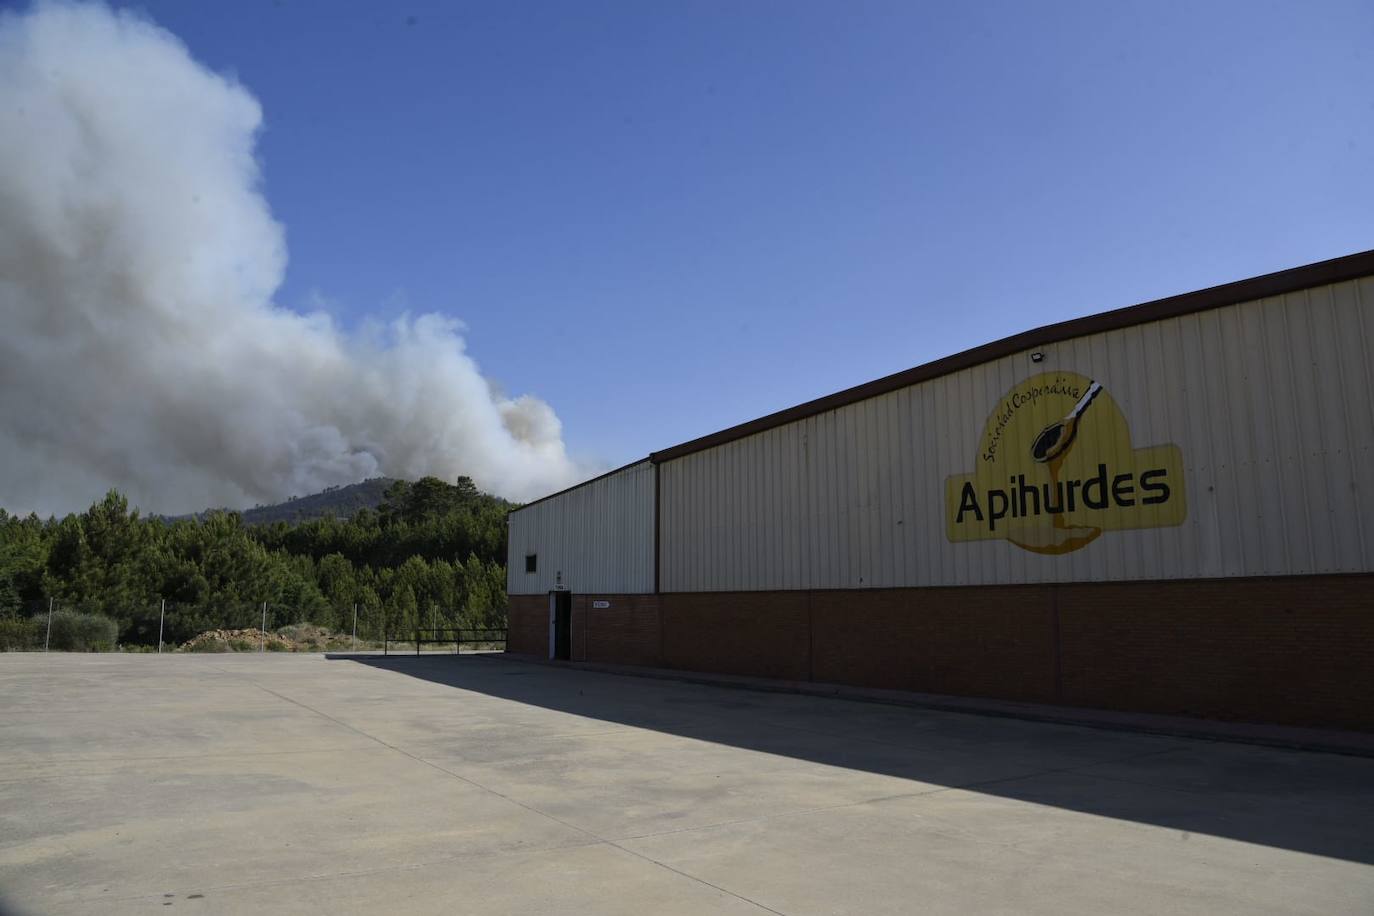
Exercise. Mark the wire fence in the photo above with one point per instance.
(477, 640)
(54, 624)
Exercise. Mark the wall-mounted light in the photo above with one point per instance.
(1037, 356)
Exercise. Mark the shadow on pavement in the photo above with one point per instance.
(1315, 803)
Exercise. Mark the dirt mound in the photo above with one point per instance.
(246, 640)
(308, 637)
(297, 637)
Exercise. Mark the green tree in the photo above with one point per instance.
(432, 550)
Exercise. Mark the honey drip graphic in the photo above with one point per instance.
(1050, 448)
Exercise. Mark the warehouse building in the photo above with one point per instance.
(1164, 508)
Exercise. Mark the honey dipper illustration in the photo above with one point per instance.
(1050, 448)
(1054, 440)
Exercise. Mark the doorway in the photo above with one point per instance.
(560, 625)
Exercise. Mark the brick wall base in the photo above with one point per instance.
(527, 625)
(627, 632)
(1293, 650)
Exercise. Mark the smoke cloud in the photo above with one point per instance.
(140, 345)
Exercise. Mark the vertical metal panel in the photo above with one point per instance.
(1271, 403)
(600, 536)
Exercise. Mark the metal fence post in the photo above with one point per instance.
(48, 638)
(262, 633)
(162, 616)
(355, 626)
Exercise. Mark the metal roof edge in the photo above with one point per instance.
(578, 486)
(1321, 273)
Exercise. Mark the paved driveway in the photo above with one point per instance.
(279, 783)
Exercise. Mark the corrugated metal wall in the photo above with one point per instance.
(600, 536)
(1268, 402)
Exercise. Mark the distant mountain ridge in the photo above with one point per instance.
(340, 502)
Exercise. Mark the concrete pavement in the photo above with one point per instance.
(295, 784)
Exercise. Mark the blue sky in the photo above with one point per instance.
(668, 218)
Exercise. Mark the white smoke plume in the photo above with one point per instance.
(139, 343)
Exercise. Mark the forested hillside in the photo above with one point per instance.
(340, 502)
(431, 553)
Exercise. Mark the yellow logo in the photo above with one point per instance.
(1056, 468)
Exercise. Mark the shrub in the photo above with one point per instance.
(73, 631)
(206, 645)
(16, 635)
(180, 623)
